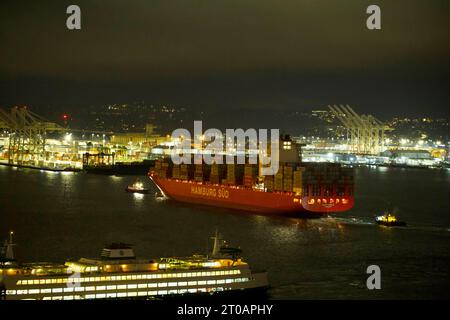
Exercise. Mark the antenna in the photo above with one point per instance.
(216, 246)
(9, 253)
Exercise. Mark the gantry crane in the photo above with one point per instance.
(27, 134)
(365, 133)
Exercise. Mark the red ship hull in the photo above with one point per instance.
(248, 199)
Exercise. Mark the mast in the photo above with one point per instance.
(9, 252)
(216, 245)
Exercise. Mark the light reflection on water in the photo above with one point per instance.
(57, 216)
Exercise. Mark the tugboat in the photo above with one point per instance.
(137, 187)
(389, 220)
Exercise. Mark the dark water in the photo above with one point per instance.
(63, 215)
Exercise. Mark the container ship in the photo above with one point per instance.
(118, 274)
(297, 189)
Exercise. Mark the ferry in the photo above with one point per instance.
(118, 274)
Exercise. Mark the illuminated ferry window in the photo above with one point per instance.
(111, 287)
(111, 295)
(142, 293)
(129, 277)
(163, 292)
(202, 289)
(132, 286)
(68, 290)
(121, 287)
(142, 285)
(220, 281)
(10, 292)
(100, 296)
(184, 275)
(192, 283)
(46, 290)
(133, 277)
(152, 293)
(90, 296)
(182, 284)
(162, 284)
(152, 285)
(192, 290)
(90, 288)
(172, 284)
(57, 290)
(182, 291)
(20, 282)
(138, 277)
(68, 297)
(228, 280)
(132, 294)
(211, 282)
(78, 289)
(201, 283)
(42, 281)
(100, 288)
(57, 298)
(121, 294)
(47, 298)
(172, 291)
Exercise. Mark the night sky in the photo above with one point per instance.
(227, 55)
